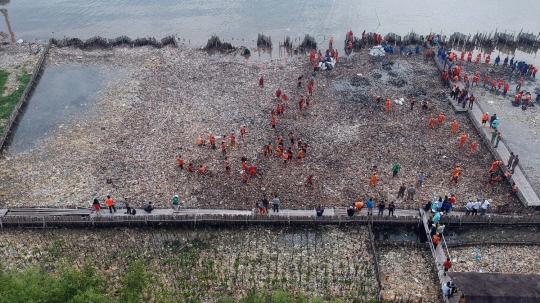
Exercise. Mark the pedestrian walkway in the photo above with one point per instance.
(526, 193)
(439, 253)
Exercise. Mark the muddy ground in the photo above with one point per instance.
(163, 100)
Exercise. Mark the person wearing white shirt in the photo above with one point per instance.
(485, 206)
(476, 206)
(469, 207)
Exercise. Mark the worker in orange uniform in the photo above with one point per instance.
(520, 83)
(454, 126)
(456, 78)
(476, 78)
(431, 122)
(469, 57)
(309, 181)
(501, 82)
(440, 119)
(494, 166)
(486, 79)
(310, 89)
(180, 162)
(224, 149)
(388, 103)
(273, 123)
(299, 156)
(514, 191)
(243, 131)
(478, 57)
(253, 171)
(201, 169)
(462, 139)
(190, 168)
(233, 140)
(494, 84)
(463, 56)
(465, 77)
(373, 180)
(473, 146)
(485, 118)
(278, 93)
(110, 204)
(455, 175)
(212, 141)
(227, 166)
(488, 59)
(244, 178)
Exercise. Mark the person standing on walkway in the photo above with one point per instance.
(436, 240)
(499, 138)
(401, 191)
(391, 208)
(381, 208)
(495, 124)
(175, 202)
(485, 207)
(319, 210)
(485, 118)
(469, 207)
(476, 206)
(96, 206)
(447, 265)
(471, 101)
(493, 136)
(110, 204)
(493, 118)
(515, 163)
(510, 160)
(395, 169)
(369, 205)
(275, 203)
(265, 202)
(411, 192)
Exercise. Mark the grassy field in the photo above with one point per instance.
(7, 103)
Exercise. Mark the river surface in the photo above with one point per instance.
(234, 20)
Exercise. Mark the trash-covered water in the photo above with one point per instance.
(238, 22)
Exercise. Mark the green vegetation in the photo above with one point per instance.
(89, 286)
(7, 103)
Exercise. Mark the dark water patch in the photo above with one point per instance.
(396, 233)
(63, 93)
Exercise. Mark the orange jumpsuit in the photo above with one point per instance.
(476, 78)
(469, 57)
(462, 56)
(473, 146)
(243, 131)
(454, 127)
(501, 82)
(431, 122)
(478, 57)
(466, 77)
(233, 140)
(486, 79)
(488, 58)
(494, 84)
(462, 140)
(388, 103)
(494, 166)
(440, 118)
(373, 180)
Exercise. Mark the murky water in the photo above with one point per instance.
(239, 22)
(63, 92)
